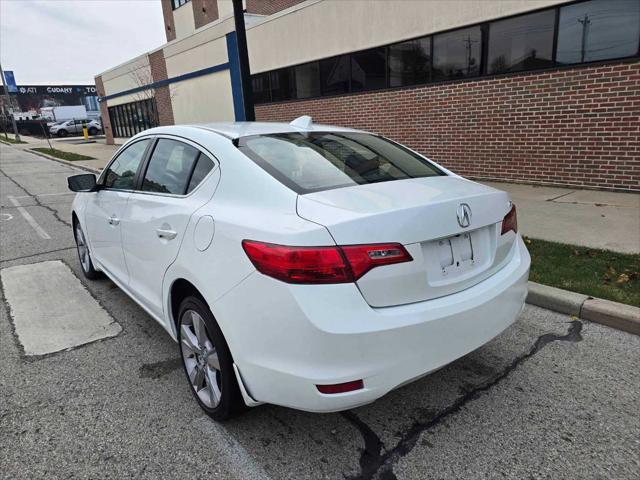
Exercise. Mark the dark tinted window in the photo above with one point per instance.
(122, 172)
(335, 75)
(369, 69)
(457, 54)
(320, 161)
(307, 80)
(598, 30)
(521, 43)
(410, 62)
(170, 167)
(282, 85)
(203, 167)
(260, 84)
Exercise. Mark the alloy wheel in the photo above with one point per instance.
(200, 358)
(83, 249)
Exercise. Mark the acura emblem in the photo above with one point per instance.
(464, 215)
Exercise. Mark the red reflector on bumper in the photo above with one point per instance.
(341, 387)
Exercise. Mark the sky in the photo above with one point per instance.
(53, 42)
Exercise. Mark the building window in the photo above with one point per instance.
(178, 3)
(457, 54)
(369, 69)
(581, 32)
(131, 118)
(335, 75)
(307, 80)
(282, 87)
(521, 43)
(260, 84)
(410, 62)
(598, 30)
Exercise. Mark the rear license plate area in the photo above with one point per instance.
(455, 253)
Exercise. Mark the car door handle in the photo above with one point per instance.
(168, 234)
(113, 220)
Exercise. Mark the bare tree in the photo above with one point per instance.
(142, 77)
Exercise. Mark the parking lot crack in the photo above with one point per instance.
(55, 213)
(373, 446)
(374, 464)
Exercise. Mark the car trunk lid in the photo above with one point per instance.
(422, 214)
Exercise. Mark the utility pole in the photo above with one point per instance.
(243, 57)
(8, 105)
(467, 43)
(585, 27)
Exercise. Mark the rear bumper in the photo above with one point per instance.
(286, 339)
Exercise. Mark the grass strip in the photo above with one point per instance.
(598, 273)
(71, 157)
(9, 140)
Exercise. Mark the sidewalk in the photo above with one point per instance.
(590, 218)
(98, 149)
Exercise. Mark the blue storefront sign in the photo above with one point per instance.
(11, 81)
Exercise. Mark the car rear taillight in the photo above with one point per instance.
(363, 258)
(317, 265)
(341, 387)
(510, 221)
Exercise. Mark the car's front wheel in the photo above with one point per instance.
(93, 131)
(83, 254)
(207, 361)
(62, 133)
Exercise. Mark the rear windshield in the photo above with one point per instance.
(312, 162)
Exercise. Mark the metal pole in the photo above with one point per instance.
(8, 101)
(585, 25)
(243, 57)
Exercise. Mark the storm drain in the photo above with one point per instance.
(52, 310)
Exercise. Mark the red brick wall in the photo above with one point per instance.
(268, 7)
(577, 126)
(104, 112)
(169, 25)
(204, 11)
(162, 94)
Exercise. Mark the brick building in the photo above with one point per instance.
(540, 91)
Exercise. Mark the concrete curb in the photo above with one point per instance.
(612, 314)
(65, 162)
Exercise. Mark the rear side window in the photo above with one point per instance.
(122, 172)
(203, 167)
(324, 160)
(170, 167)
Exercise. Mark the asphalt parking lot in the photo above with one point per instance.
(552, 397)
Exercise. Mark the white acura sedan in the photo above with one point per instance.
(302, 265)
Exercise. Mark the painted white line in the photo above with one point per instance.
(52, 310)
(44, 195)
(230, 452)
(30, 220)
(6, 216)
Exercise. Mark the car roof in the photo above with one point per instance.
(235, 130)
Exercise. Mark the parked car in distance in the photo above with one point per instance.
(63, 129)
(308, 266)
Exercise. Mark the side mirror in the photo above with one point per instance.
(82, 183)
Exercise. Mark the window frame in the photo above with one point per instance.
(103, 175)
(145, 164)
(490, 30)
(180, 3)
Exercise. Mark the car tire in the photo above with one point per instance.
(84, 255)
(207, 361)
(62, 133)
(93, 131)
